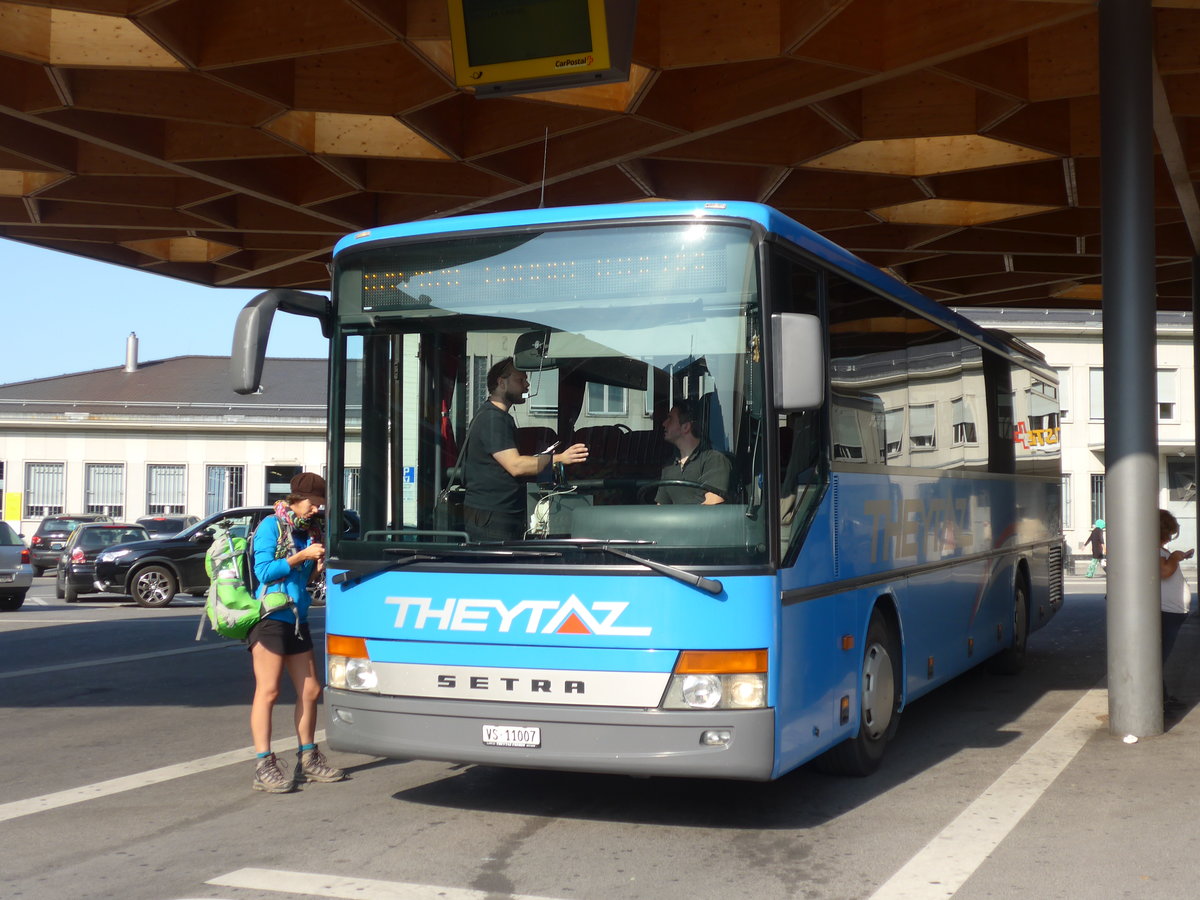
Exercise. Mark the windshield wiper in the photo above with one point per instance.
(709, 585)
(358, 573)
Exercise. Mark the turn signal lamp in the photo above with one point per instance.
(349, 667)
(718, 679)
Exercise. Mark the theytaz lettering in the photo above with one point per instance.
(570, 616)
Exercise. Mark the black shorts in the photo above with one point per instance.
(280, 637)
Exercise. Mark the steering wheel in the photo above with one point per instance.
(644, 489)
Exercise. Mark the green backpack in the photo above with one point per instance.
(231, 606)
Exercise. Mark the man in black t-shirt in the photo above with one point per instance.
(696, 462)
(494, 507)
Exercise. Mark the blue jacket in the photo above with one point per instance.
(269, 570)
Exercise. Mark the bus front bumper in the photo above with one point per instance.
(574, 738)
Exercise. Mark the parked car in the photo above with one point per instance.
(16, 572)
(166, 526)
(77, 564)
(51, 535)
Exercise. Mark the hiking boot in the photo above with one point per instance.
(269, 777)
(311, 765)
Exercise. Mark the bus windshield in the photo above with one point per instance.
(614, 326)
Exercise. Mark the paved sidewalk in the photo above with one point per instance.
(1121, 820)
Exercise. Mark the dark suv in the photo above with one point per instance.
(154, 571)
(47, 542)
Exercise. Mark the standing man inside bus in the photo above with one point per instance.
(494, 507)
(697, 462)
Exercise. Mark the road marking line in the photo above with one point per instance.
(111, 660)
(19, 808)
(313, 885)
(947, 861)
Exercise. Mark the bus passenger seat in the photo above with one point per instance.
(534, 439)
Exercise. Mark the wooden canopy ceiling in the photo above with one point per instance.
(232, 142)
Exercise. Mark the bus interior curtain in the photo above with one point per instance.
(452, 355)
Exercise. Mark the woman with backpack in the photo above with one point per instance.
(288, 546)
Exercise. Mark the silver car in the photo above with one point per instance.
(16, 572)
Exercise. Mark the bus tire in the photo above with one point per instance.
(879, 710)
(1011, 659)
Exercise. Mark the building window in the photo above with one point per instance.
(166, 490)
(1097, 497)
(479, 370)
(1064, 394)
(351, 487)
(1043, 406)
(543, 393)
(922, 426)
(223, 488)
(1067, 517)
(605, 400)
(1181, 477)
(963, 422)
(893, 431)
(847, 435)
(104, 489)
(45, 489)
(1168, 396)
(1096, 395)
(279, 482)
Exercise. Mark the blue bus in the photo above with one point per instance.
(892, 516)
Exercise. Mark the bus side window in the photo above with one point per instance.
(801, 475)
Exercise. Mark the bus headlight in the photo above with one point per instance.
(718, 679)
(351, 668)
(701, 691)
(746, 691)
(352, 674)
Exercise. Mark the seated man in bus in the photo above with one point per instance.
(494, 506)
(697, 462)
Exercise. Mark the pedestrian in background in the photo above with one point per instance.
(1176, 594)
(1096, 539)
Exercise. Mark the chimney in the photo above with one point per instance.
(131, 362)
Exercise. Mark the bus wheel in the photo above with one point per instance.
(879, 714)
(1011, 659)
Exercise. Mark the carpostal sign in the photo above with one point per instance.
(570, 616)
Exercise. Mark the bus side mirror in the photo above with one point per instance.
(254, 327)
(798, 362)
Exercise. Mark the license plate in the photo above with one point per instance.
(4, 579)
(512, 736)
(56, 545)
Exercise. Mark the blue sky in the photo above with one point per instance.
(61, 313)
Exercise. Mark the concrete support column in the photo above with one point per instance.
(1130, 423)
(1196, 388)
